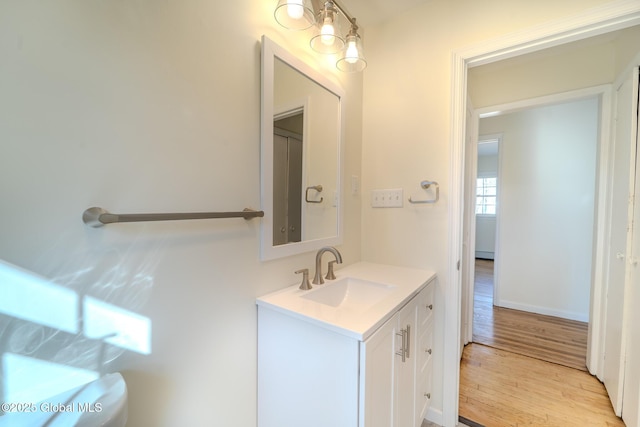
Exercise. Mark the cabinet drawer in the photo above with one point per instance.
(424, 349)
(425, 308)
(423, 391)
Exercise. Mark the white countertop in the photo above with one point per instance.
(358, 324)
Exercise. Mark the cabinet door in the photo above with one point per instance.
(376, 355)
(406, 366)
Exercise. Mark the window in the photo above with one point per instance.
(486, 196)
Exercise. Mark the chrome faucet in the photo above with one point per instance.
(317, 278)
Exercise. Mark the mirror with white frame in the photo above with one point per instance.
(301, 152)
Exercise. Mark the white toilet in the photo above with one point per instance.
(113, 403)
(100, 403)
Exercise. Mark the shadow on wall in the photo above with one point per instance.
(62, 333)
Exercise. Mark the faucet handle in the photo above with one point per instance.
(305, 285)
(330, 275)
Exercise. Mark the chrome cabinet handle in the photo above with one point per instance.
(408, 348)
(405, 350)
(402, 352)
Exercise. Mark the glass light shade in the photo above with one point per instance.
(295, 14)
(352, 59)
(328, 39)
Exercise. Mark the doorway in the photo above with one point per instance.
(543, 223)
(594, 23)
(287, 177)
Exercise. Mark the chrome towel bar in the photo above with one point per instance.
(425, 185)
(97, 217)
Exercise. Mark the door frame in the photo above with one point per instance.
(631, 386)
(603, 94)
(469, 255)
(616, 390)
(596, 21)
(469, 229)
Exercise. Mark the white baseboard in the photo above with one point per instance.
(434, 415)
(485, 255)
(580, 317)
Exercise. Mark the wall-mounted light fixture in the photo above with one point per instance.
(301, 15)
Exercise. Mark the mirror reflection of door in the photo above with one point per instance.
(287, 178)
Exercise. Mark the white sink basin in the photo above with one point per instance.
(349, 293)
(363, 296)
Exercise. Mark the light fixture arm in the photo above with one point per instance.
(353, 31)
(344, 12)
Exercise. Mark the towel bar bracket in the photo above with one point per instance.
(317, 188)
(425, 186)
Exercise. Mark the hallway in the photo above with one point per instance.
(542, 337)
(527, 369)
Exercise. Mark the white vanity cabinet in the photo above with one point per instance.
(397, 365)
(316, 375)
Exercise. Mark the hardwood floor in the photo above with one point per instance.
(499, 388)
(540, 381)
(547, 338)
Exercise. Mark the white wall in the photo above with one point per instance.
(626, 49)
(546, 211)
(486, 224)
(560, 69)
(406, 133)
(485, 236)
(487, 165)
(150, 106)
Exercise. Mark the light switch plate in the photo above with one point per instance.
(391, 198)
(355, 185)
